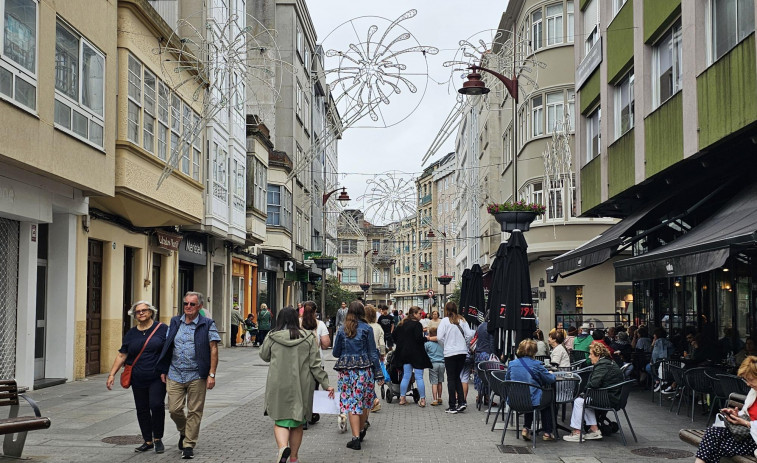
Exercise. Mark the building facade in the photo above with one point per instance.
(665, 136)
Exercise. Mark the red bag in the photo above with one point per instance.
(126, 374)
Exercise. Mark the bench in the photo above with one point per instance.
(694, 436)
(15, 427)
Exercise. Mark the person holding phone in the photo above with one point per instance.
(718, 441)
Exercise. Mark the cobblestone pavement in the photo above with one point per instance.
(234, 429)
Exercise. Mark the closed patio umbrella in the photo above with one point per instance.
(473, 310)
(464, 291)
(497, 297)
(519, 320)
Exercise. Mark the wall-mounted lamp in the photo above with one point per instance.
(541, 282)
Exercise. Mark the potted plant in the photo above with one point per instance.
(324, 262)
(444, 279)
(516, 215)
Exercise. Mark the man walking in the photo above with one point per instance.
(188, 367)
(341, 315)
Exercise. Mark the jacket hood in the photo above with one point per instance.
(582, 335)
(282, 337)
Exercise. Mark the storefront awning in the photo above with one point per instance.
(706, 247)
(601, 248)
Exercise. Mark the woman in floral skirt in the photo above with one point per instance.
(358, 366)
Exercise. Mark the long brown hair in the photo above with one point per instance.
(355, 313)
(410, 313)
(450, 311)
(309, 322)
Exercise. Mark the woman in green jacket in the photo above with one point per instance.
(295, 366)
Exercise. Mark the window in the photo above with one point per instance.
(571, 110)
(536, 30)
(135, 98)
(18, 61)
(260, 178)
(376, 245)
(80, 87)
(347, 246)
(522, 128)
(286, 215)
(667, 67)
(299, 97)
(298, 237)
(537, 116)
(593, 136)
(616, 6)
(507, 147)
(187, 135)
(220, 157)
(555, 205)
(533, 193)
(624, 105)
(148, 135)
(239, 179)
(163, 99)
(569, 21)
(300, 42)
(554, 24)
(197, 147)
(555, 111)
(349, 275)
(731, 22)
(591, 25)
(279, 210)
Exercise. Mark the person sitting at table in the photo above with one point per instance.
(706, 352)
(623, 352)
(559, 355)
(542, 349)
(583, 339)
(662, 348)
(641, 341)
(599, 337)
(605, 373)
(750, 348)
(528, 370)
(718, 441)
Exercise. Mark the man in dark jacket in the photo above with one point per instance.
(605, 373)
(188, 367)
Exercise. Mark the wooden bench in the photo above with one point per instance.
(15, 427)
(694, 436)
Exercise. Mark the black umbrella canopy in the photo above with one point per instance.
(464, 291)
(496, 290)
(473, 310)
(519, 320)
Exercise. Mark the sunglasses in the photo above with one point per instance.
(139, 312)
(191, 304)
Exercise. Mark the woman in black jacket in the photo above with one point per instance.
(411, 354)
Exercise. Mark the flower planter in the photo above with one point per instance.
(365, 286)
(515, 220)
(323, 263)
(444, 280)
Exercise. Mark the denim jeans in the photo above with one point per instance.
(407, 371)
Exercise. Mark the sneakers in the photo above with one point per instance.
(144, 447)
(657, 386)
(669, 390)
(571, 438)
(188, 453)
(354, 444)
(593, 435)
(462, 407)
(342, 422)
(451, 410)
(159, 447)
(284, 453)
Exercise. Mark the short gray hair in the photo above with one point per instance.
(199, 296)
(147, 303)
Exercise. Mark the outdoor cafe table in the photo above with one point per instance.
(565, 391)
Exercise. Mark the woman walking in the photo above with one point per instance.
(358, 364)
(411, 353)
(264, 324)
(378, 337)
(454, 333)
(295, 367)
(141, 347)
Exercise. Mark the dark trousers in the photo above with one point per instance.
(454, 366)
(261, 336)
(234, 331)
(151, 409)
(546, 415)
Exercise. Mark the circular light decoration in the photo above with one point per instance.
(389, 198)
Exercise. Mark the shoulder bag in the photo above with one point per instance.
(470, 344)
(126, 374)
(740, 433)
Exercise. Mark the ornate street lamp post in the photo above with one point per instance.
(326, 262)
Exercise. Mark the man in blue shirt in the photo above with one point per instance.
(188, 367)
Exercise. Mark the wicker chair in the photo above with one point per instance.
(519, 400)
(599, 399)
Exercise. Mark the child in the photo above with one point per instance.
(436, 373)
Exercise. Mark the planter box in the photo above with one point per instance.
(515, 220)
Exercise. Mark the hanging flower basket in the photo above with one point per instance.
(365, 286)
(517, 215)
(444, 279)
(324, 262)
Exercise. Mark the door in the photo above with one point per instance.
(40, 331)
(186, 282)
(156, 283)
(94, 306)
(128, 296)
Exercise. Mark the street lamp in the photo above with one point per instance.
(444, 279)
(475, 86)
(366, 285)
(343, 197)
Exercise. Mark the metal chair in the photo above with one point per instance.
(498, 387)
(481, 368)
(578, 364)
(599, 399)
(666, 376)
(576, 355)
(584, 374)
(733, 383)
(698, 382)
(519, 400)
(720, 396)
(566, 391)
(493, 366)
(676, 374)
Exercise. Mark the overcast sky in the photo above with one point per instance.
(367, 152)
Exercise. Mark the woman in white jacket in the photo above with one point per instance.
(454, 334)
(718, 442)
(559, 355)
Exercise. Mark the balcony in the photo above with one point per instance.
(424, 200)
(407, 248)
(425, 266)
(407, 269)
(383, 288)
(425, 244)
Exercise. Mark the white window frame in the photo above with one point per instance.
(556, 196)
(555, 109)
(349, 275)
(591, 25)
(537, 30)
(593, 131)
(299, 96)
(260, 180)
(149, 99)
(616, 6)
(537, 115)
(670, 45)
(624, 103)
(571, 105)
(13, 73)
(273, 205)
(163, 136)
(554, 19)
(739, 27)
(76, 107)
(569, 22)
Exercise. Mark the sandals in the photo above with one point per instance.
(403, 401)
(422, 402)
(526, 434)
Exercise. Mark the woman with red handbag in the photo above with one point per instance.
(138, 355)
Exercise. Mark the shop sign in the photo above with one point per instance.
(169, 241)
(270, 263)
(192, 250)
(289, 266)
(590, 62)
(310, 255)
(299, 275)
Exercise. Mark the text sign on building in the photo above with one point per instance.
(168, 241)
(590, 62)
(289, 266)
(192, 250)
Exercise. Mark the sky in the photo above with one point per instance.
(365, 153)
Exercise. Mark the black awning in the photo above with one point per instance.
(706, 247)
(603, 247)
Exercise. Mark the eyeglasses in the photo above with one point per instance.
(139, 312)
(191, 304)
